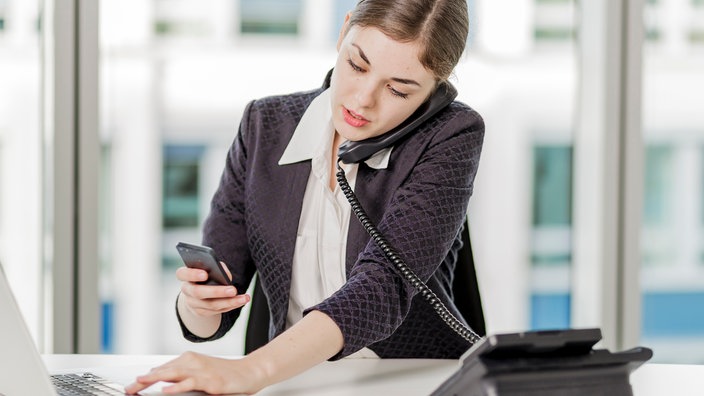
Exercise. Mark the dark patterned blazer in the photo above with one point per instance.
(419, 203)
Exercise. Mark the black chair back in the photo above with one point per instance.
(465, 287)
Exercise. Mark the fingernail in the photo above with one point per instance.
(231, 291)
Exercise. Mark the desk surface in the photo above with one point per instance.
(372, 376)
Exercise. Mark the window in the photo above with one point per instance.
(672, 237)
(552, 173)
(181, 180)
(145, 96)
(658, 210)
(21, 176)
(696, 37)
(180, 28)
(184, 19)
(554, 21)
(652, 20)
(270, 16)
(658, 185)
(696, 26)
(3, 8)
(671, 246)
(701, 210)
(342, 7)
(551, 236)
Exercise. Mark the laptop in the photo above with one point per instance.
(22, 370)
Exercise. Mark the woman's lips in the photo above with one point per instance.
(353, 118)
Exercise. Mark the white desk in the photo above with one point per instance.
(374, 376)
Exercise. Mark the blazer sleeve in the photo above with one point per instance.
(421, 222)
(224, 229)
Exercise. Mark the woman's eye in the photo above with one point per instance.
(398, 93)
(354, 66)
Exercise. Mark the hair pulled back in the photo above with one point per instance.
(440, 26)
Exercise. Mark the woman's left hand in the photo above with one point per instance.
(194, 371)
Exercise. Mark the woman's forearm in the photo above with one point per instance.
(313, 340)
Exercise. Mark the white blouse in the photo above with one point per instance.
(319, 256)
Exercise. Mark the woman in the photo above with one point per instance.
(278, 210)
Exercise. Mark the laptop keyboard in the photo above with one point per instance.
(84, 384)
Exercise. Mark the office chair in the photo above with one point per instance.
(464, 288)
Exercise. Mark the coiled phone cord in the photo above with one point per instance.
(390, 253)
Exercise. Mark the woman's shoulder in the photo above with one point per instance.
(457, 119)
(462, 112)
(292, 104)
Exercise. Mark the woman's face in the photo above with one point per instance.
(377, 83)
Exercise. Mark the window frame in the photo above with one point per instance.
(607, 165)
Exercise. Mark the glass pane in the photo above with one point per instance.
(521, 75)
(20, 157)
(672, 237)
(270, 16)
(174, 85)
(175, 78)
(180, 206)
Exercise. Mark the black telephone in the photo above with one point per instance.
(354, 152)
(546, 363)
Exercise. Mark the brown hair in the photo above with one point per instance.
(441, 26)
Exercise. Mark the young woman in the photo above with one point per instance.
(279, 211)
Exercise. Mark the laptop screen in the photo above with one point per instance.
(22, 369)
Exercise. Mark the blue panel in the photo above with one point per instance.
(550, 311)
(107, 342)
(673, 314)
(665, 314)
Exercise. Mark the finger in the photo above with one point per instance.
(208, 307)
(186, 274)
(136, 387)
(227, 270)
(142, 382)
(204, 292)
(163, 373)
(186, 385)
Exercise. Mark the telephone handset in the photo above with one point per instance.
(354, 152)
(548, 363)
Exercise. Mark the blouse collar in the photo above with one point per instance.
(317, 121)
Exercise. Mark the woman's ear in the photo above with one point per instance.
(343, 30)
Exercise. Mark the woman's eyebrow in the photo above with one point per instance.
(405, 81)
(361, 54)
(400, 80)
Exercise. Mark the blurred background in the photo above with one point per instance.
(175, 76)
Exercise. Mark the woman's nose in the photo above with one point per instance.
(366, 94)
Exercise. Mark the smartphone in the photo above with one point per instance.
(203, 257)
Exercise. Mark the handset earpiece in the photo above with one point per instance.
(354, 152)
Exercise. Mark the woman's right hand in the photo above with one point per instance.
(207, 300)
